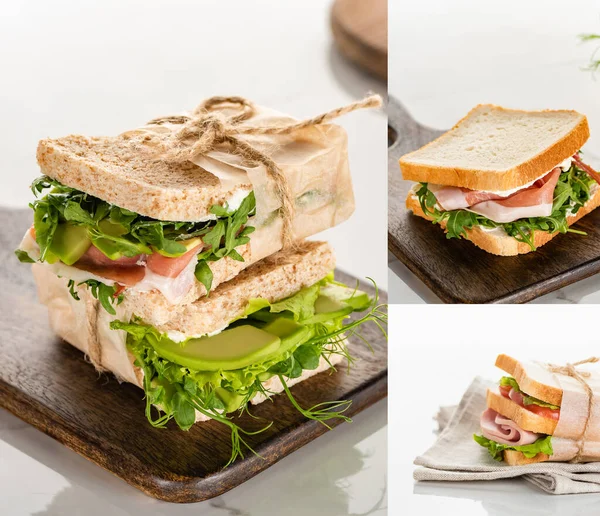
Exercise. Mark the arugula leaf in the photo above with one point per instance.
(103, 293)
(139, 235)
(23, 257)
(204, 275)
(571, 193)
(495, 449)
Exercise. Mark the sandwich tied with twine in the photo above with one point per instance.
(208, 127)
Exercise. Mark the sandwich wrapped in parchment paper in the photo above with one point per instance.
(162, 214)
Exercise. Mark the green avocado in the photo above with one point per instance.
(231, 349)
(70, 242)
(357, 299)
(234, 348)
(112, 228)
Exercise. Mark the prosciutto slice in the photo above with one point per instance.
(497, 428)
(593, 174)
(533, 201)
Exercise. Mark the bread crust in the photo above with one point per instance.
(521, 416)
(516, 458)
(538, 390)
(494, 180)
(505, 245)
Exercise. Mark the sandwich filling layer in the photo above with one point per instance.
(500, 433)
(542, 205)
(215, 375)
(110, 249)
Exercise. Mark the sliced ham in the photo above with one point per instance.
(454, 198)
(497, 428)
(533, 201)
(170, 267)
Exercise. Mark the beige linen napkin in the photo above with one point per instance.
(455, 456)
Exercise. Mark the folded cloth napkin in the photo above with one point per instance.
(455, 456)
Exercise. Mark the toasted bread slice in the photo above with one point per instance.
(548, 393)
(112, 169)
(502, 244)
(526, 419)
(493, 148)
(516, 458)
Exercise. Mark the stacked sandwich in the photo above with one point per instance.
(509, 181)
(542, 413)
(189, 277)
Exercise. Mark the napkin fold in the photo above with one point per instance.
(456, 457)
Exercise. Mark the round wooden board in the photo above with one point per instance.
(360, 32)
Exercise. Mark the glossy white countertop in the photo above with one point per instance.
(447, 57)
(68, 68)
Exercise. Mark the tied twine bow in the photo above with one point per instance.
(580, 376)
(208, 127)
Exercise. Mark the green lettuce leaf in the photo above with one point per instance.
(495, 449)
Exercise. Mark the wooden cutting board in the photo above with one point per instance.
(360, 32)
(456, 270)
(48, 384)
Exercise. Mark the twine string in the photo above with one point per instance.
(208, 127)
(570, 370)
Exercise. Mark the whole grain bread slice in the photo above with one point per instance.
(503, 244)
(493, 148)
(115, 170)
(276, 277)
(521, 416)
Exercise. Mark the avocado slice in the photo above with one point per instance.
(231, 349)
(357, 299)
(189, 244)
(112, 228)
(70, 242)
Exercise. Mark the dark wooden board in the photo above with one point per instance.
(456, 270)
(48, 384)
(360, 33)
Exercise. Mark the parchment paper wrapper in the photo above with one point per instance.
(573, 411)
(85, 325)
(314, 161)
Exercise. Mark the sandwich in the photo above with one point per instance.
(277, 323)
(133, 225)
(174, 256)
(542, 413)
(507, 180)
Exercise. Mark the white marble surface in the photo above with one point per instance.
(446, 57)
(442, 364)
(71, 68)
